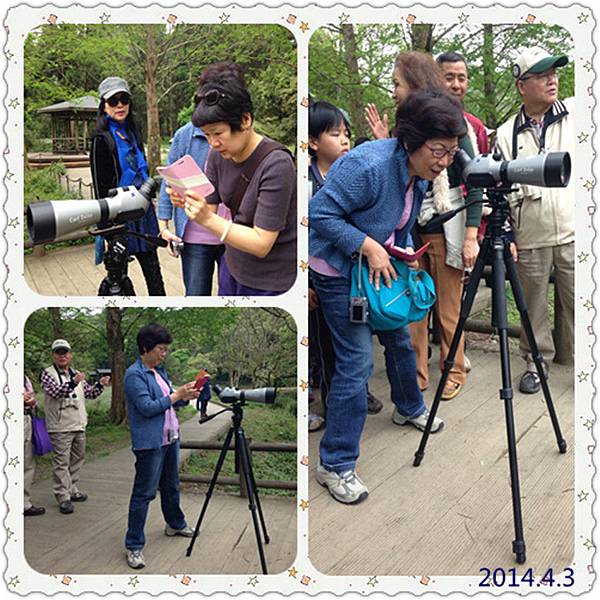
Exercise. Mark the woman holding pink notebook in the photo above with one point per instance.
(255, 178)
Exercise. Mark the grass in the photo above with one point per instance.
(513, 314)
(276, 423)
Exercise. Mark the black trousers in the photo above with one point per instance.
(151, 270)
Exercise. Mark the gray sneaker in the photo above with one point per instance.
(135, 559)
(187, 531)
(419, 422)
(345, 487)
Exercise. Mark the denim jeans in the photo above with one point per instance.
(198, 266)
(347, 398)
(154, 470)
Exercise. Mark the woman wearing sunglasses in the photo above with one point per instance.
(117, 160)
(260, 236)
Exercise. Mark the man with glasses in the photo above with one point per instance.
(65, 392)
(543, 219)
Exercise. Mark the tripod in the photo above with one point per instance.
(497, 246)
(116, 259)
(242, 460)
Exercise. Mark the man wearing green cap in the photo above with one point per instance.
(543, 219)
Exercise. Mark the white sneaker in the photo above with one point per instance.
(419, 422)
(135, 559)
(345, 487)
(187, 531)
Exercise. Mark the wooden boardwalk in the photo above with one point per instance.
(90, 541)
(453, 514)
(72, 272)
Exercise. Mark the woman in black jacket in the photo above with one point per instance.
(117, 160)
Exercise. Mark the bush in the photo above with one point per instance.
(44, 184)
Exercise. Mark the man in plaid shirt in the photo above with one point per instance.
(65, 392)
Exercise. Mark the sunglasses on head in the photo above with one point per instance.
(211, 97)
(114, 100)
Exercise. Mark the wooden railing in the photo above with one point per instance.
(239, 480)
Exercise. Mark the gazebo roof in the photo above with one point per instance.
(83, 104)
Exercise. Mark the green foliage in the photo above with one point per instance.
(276, 423)
(63, 62)
(43, 184)
(489, 50)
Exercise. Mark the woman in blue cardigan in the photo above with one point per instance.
(373, 196)
(154, 440)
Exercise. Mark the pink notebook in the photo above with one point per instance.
(184, 174)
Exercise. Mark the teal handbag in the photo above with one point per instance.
(407, 301)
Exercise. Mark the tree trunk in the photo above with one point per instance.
(422, 38)
(57, 323)
(114, 317)
(357, 105)
(152, 117)
(489, 84)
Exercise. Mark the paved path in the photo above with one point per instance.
(453, 514)
(91, 539)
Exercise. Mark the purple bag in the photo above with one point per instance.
(40, 438)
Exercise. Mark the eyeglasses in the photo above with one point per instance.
(548, 75)
(162, 348)
(114, 100)
(61, 351)
(442, 152)
(211, 97)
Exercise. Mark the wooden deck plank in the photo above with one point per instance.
(91, 540)
(425, 517)
(71, 271)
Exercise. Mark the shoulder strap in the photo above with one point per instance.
(252, 163)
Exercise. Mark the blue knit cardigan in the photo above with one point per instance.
(363, 196)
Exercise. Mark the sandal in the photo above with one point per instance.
(451, 390)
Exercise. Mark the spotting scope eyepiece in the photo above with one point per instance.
(47, 221)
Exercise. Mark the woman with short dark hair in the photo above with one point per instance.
(154, 440)
(256, 179)
(372, 198)
(117, 160)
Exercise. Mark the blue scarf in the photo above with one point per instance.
(134, 169)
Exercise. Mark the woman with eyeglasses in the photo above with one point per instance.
(202, 250)
(453, 245)
(117, 160)
(372, 197)
(151, 403)
(256, 179)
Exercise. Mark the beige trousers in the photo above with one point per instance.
(69, 454)
(534, 268)
(448, 289)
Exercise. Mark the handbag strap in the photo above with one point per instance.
(264, 148)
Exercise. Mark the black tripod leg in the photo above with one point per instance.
(211, 487)
(258, 505)
(515, 284)
(469, 294)
(506, 393)
(252, 497)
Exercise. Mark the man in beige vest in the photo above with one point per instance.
(543, 219)
(65, 392)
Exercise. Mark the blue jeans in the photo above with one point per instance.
(154, 470)
(347, 398)
(198, 265)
